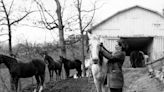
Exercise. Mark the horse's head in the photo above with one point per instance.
(5, 58)
(94, 51)
(61, 58)
(44, 54)
(94, 48)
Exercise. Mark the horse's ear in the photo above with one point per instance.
(91, 37)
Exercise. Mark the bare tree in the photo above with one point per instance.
(7, 10)
(60, 27)
(83, 26)
(54, 23)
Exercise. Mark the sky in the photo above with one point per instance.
(106, 8)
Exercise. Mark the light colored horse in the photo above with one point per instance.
(88, 64)
(99, 66)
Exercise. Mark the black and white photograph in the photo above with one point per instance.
(81, 45)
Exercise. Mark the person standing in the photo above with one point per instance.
(115, 79)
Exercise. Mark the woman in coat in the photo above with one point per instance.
(115, 79)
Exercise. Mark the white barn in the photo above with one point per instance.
(142, 28)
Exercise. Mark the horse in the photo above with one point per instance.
(68, 64)
(137, 59)
(99, 67)
(35, 67)
(88, 65)
(53, 65)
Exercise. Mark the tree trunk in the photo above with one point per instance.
(61, 32)
(10, 41)
(81, 30)
(60, 26)
(83, 54)
(9, 27)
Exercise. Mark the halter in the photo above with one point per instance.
(100, 58)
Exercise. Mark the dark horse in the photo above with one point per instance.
(137, 59)
(68, 64)
(53, 65)
(17, 70)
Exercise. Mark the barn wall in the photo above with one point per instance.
(135, 22)
(158, 47)
(110, 42)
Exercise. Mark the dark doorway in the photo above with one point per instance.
(138, 43)
(142, 44)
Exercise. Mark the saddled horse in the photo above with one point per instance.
(99, 66)
(68, 64)
(53, 66)
(35, 67)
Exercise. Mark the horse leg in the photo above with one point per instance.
(12, 83)
(60, 74)
(52, 74)
(56, 71)
(67, 73)
(38, 82)
(104, 88)
(98, 85)
(19, 85)
(50, 71)
(42, 77)
(79, 71)
(16, 84)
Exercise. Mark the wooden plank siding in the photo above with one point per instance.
(135, 22)
(158, 47)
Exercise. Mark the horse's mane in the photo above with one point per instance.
(106, 49)
(100, 54)
(77, 60)
(64, 58)
(49, 58)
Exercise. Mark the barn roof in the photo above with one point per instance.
(122, 11)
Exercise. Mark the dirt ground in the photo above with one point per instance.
(136, 80)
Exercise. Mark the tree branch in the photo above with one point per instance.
(18, 20)
(4, 8)
(3, 34)
(90, 20)
(10, 7)
(47, 24)
(73, 42)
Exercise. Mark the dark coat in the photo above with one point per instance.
(115, 61)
